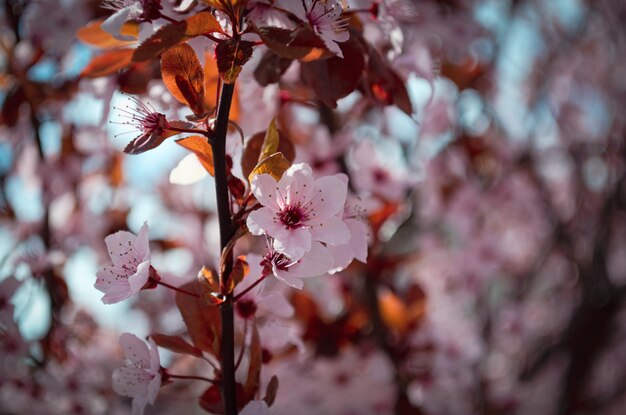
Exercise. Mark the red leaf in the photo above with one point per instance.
(175, 33)
(93, 35)
(335, 78)
(231, 55)
(385, 85)
(211, 399)
(301, 44)
(201, 318)
(183, 76)
(176, 344)
(252, 150)
(271, 68)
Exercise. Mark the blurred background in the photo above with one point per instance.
(496, 276)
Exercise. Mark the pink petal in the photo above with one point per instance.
(297, 178)
(135, 350)
(342, 257)
(264, 189)
(139, 405)
(263, 221)
(140, 278)
(329, 197)
(331, 230)
(297, 184)
(358, 238)
(128, 381)
(277, 304)
(316, 262)
(292, 242)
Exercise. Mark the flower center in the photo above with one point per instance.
(293, 216)
(380, 176)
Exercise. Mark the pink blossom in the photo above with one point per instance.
(256, 408)
(317, 261)
(263, 13)
(356, 248)
(140, 379)
(151, 124)
(130, 270)
(265, 298)
(324, 17)
(126, 10)
(298, 210)
(379, 173)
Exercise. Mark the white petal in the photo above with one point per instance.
(113, 24)
(188, 171)
(300, 173)
(255, 408)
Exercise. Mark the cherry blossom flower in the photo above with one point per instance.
(125, 10)
(263, 13)
(324, 17)
(298, 210)
(256, 408)
(356, 248)
(130, 270)
(140, 379)
(151, 124)
(263, 299)
(317, 261)
(379, 173)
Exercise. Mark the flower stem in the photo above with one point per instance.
(244, 292)
(171, 287)
(227, 230)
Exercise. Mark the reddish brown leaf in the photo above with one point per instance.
(271, 68)
(176, 344)
(183, 76)
(107, 63)
(272, 390)
(211, 83)
(201, 148)
(135, 79)
(335, 78)
(301, 44)
(175, 33)
(231, 55)
(252, 150)
(201, 318)
(254, 369)
(240, 270)
(385, 85)
(275, 165)
(94, 35)
(211, 399)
